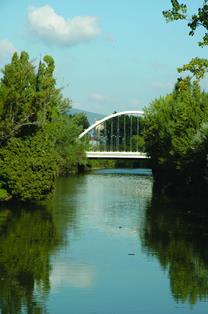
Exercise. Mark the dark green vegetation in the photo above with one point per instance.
(176, 126)
(101, 164)
(176, 136)
(38, 139)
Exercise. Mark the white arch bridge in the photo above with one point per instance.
(116, 136)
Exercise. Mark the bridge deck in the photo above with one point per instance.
(116, 155)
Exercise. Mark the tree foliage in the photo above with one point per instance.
(172, 125)
(38, 139)
(198, 67)
(81, 120)
(29, 167)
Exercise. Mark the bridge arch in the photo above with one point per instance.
(117, 114)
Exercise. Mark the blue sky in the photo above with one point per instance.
(110, 55)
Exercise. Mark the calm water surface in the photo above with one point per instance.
(105, 244)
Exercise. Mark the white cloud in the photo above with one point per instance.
(54, 28)
(6, 49)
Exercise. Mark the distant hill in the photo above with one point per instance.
(91, 116)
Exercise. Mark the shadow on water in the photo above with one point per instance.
(176, 233)
(28, 238)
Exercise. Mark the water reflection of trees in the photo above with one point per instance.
(177, 234)
(27, 238)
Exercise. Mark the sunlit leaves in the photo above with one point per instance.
(197, 66)
(178, 12)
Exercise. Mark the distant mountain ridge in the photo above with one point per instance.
(91, 116)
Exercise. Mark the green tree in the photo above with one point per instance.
(28, 167)
(17, 91)
(171, 125)
(64, 133)
(81, 120)
(38, 139)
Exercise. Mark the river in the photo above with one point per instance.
(105, 244)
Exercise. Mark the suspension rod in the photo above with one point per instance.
(137, 148)
(111, 139)
(124, 132)
(131, 133)
(118, 134)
